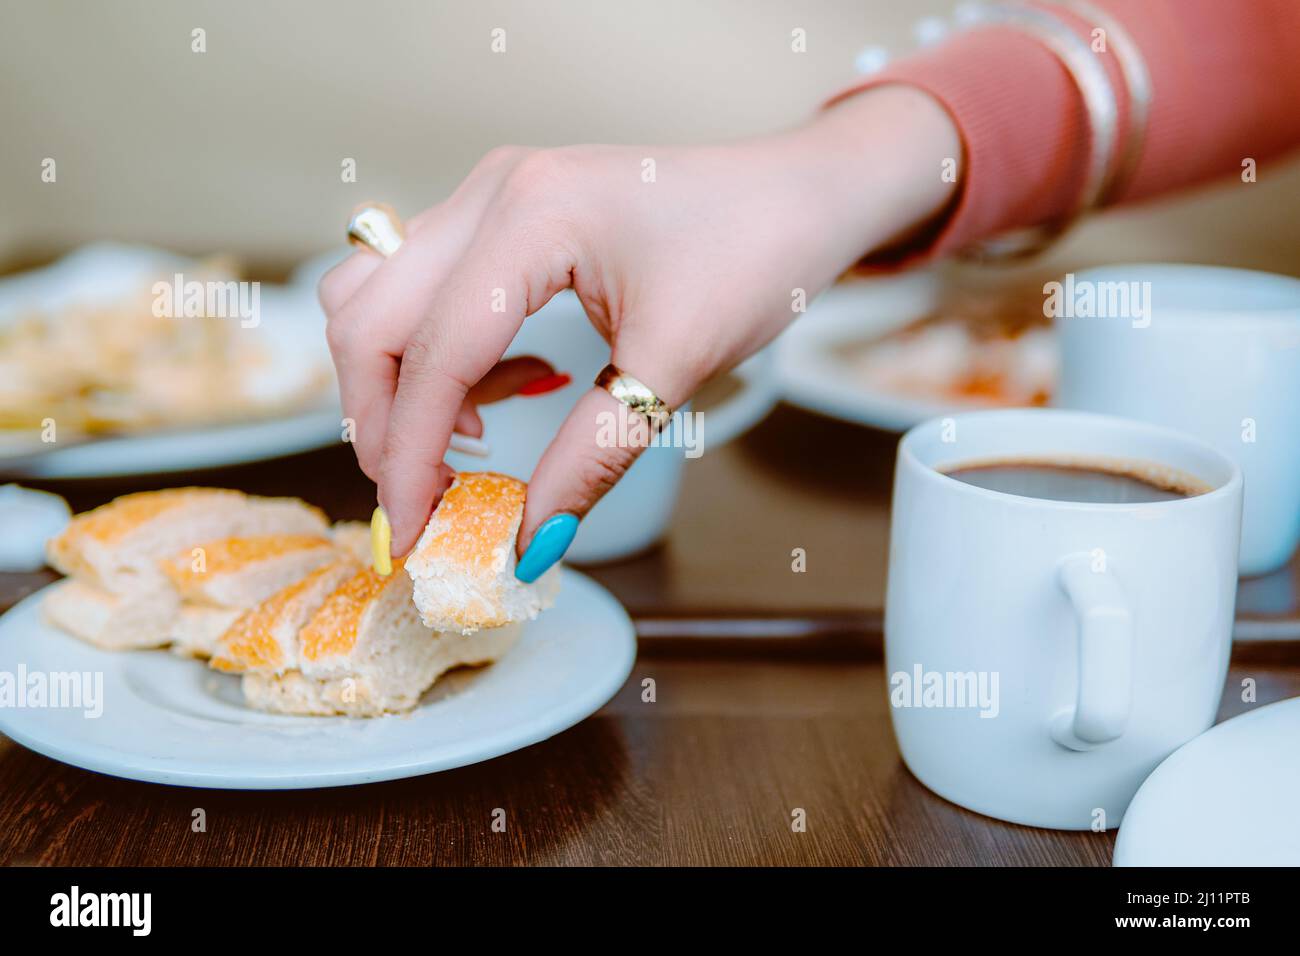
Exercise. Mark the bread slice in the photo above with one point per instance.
(463, 567)
(221, 579)
(115, 622)
(352, 537)
(197, 628)
(365, 652)
(364, 696)
(241, 572)
(265, 638)
(117, 546)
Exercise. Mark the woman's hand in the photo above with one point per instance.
(686, 260)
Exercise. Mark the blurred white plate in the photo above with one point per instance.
(169, 720)
(811, 375)
(291, 325)
(1230, 797)
(172, 451)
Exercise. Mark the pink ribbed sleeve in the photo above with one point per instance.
(1225, 85)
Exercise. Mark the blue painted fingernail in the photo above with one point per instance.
(548, 546)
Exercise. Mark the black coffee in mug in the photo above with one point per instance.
(1093, 483)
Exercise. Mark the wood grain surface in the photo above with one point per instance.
(708, 774)
(770, 698)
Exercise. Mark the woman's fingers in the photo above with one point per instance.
(475, 314)
(579, 465)
(369, 329)
(525, 375)
(425, 408)
(374, 305)
(368, 334)
(468, 421)
(509, 377)
(595, 446)
(417, 339)
(342, 282)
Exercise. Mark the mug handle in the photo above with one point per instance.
(1105, 686)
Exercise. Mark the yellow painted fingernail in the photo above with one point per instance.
(381, 539)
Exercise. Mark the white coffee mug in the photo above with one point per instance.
(1044, 656)
(1213, 352)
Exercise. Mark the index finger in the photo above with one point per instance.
(473, 320)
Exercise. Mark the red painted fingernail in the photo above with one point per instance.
(550, 383)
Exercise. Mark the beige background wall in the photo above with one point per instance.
(239, 148)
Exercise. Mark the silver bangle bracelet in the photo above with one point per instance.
(1133, 67)
(1102, 107)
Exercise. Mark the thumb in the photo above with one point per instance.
(594, 448)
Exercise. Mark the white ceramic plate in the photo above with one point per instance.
(291, 325)
(810, 375)
(1230, 797)
(173, 451)
(170, 720)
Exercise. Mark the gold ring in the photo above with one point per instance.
(635, 394)
(376, 226)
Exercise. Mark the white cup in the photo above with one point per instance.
(635, 513)
(1212, 352)
(1099, 633)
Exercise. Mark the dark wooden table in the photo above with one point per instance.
(770, 698)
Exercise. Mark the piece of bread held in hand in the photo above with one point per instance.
(365, 652)
(463, 567)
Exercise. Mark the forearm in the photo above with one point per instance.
(890, 158)
(873, 168)
(1223, 88)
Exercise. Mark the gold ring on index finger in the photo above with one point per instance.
(635, 394)
(376, 226)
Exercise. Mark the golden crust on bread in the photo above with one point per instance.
(116, 546)
(333, 629)
(478, 512)
(279, 596)
(110, 521)
(250, 643)
(463, 567)
(232, 554)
